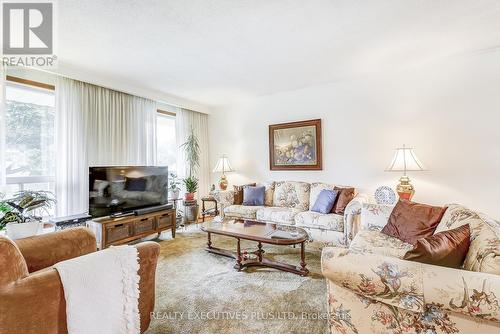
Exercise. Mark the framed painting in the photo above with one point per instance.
(295, 146)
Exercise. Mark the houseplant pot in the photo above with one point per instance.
(189, 196)
(22, 230)
(174, 194)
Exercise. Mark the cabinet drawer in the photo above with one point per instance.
(117, 232)
(144, 225)
(166, 220)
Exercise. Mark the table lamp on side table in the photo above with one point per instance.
(405, 160)
(223, 166)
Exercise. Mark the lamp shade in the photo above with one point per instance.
(223, 165)
(405, 160)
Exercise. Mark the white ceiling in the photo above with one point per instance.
(219, 51)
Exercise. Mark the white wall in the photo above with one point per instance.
(449, 112)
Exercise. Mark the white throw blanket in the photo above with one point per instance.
(102, 291)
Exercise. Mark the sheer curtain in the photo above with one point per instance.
(97, 126)
(185, 120)
(2, 128)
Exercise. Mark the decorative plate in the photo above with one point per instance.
(385, 195)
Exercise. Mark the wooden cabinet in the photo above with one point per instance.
(117, 231)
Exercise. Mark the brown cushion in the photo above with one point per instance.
(410, 221)
(448, 248)
(238, 192)
(343, 198)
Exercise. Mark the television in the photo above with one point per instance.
(115, 190)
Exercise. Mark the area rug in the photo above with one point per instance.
(199, 292)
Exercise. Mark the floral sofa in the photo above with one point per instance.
(371, 289)
(289, 203)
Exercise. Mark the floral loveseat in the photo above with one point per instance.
(372, 290)
(289, 203)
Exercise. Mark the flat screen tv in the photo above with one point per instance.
(117, 189)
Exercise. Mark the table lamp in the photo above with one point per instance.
(223, 166)
(405, 160)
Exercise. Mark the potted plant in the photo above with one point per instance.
(192, 153)
(18, 214)
(191, 184)
(173, 186)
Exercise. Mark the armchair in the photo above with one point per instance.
(31, 293)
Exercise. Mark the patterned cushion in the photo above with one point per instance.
(375, 242)
(375, 216)
(331, 222)
(277, 215)
(292, 195)
(268, 199)
(484, 250)
(316, 188)
(241, 211)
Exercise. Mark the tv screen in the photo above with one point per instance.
(115, 190)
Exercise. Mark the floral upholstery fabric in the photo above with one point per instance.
(313, 219)
(224, 199)
(316, 188)
(292, 194)
(352, 216)
(277, 215)
(269, 193)
(484, 250)
(241, 212)
(370, 293)
(375, 216)
(375, 242)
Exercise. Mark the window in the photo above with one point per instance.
(166, 146)
(29, 137)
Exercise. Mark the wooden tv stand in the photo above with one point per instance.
(117, 231)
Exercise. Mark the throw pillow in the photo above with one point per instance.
(345, 195)
(410, 221)
(253, 196)
(448, 248)
(135, 184)
(324, 202)
(238, 192)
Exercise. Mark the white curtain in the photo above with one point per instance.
(2, 128)
(97, 126)
(185, 120)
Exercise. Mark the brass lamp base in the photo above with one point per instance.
(405, 188)
(223, 182)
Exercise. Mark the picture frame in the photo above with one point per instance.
(295, 146)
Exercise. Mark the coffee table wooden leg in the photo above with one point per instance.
(209, 243)
(259, 252)
(238, 255)
(303, 259)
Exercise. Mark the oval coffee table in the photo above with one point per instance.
(267, 233)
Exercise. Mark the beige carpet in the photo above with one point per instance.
(199, 292)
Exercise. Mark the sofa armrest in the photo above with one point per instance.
(412, 285)
(352, 214)
(37, 299)
(45, 250)
(224, 198)
(386, 279)
(148, 253)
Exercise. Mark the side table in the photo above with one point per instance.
(212, 212)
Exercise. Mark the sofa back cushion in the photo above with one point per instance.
(292, 194)
(316, 188)
(410, 221)
(484, 249)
